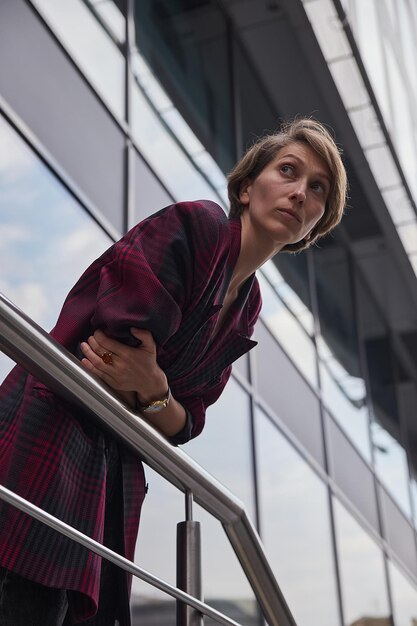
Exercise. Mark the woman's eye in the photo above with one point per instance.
(318, 187)
(287, 169)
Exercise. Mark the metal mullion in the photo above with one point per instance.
(252, 408)
(129, 164)
(365, 373)
(324, 429)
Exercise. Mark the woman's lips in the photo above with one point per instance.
(290, 214)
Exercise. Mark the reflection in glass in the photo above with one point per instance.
(362, 574)
(391, 464)
(258, 115)
(404, 597)
(224, 582)
(408, 236)
(287, 310)
(47, 238)
(384, 374)
(167, 142)
(225, 449)
(403, 119)
(408, 25)
(94, 44)
(368, 34)
(385, 33)
(399, 205)
(344, 396)
(293, 301)
(295, 527)
(413, 488)
(186, 45)
(342, 384)
(288, 331)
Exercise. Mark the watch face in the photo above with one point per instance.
(156, 407)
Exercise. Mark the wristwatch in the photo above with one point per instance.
(156, 405)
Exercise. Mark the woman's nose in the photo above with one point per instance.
(298, 194)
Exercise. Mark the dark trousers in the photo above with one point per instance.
(26, 603)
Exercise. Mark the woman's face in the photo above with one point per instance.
(287, 199)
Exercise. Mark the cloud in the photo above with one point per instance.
(15, 158)
(31, 297)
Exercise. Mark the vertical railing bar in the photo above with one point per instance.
(189, 501)
(72, 533)
(189, 564)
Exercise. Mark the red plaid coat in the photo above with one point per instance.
(169, 275)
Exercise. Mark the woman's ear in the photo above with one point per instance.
(244, 192)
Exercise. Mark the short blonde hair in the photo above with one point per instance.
(302, 130)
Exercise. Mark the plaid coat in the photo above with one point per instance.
(169, 275)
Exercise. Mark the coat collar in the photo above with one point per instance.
(235, 230)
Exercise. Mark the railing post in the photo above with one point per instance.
(189, 565)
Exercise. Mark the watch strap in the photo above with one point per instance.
(156, 405)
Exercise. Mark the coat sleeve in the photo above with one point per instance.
(146, 279)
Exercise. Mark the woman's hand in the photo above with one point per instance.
(135, 375)
(131, 369)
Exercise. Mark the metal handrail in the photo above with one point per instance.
(27, 343)
(71, 532)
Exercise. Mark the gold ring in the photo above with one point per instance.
(107, 358)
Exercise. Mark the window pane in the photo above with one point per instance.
(408, 25)
(358, 484)
(369, 37)
(289, 315)
(227, 432)
(342, 384)
(37, 271)
(385, 373)
(404, 597)
(288, 394)
(168, 153)
(288, 331)
(186, 45)
(93, 47)
(163, 508)
(398, 531)
(224, 582)
(295, 527)
(403, 119)
(361, 571)
(257, 115)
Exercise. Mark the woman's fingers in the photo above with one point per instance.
(94, 353)
(100, 341)
(124, 367)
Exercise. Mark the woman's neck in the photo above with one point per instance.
(254, 252)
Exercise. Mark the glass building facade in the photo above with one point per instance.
(110, 110)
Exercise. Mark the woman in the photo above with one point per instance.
(160, 317)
